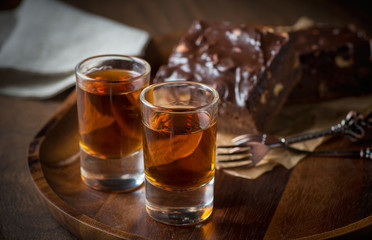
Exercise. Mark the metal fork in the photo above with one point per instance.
(249, 149)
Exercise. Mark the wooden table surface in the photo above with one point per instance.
(23, 214)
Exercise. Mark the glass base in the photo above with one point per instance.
(121, 174)
(179, 207)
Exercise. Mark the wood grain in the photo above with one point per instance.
(324, 194)
(22, 212)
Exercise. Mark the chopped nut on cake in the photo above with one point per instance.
(335, 62)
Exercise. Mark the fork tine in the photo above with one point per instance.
(238, 166)
(232, 146)
(241, 137)
(235, 159)
(231, 166)
(226, 146)
(235, 152)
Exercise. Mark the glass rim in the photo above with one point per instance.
(179, 110)
(113, 56)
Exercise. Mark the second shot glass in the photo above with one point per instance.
(179, 140)
(108, 89)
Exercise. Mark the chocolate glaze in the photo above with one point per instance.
(229, 57)
(237, 61)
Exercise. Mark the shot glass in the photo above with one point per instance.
(179, 145)
(108, 89)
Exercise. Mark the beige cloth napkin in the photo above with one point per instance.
(42, 41)
(294, 120)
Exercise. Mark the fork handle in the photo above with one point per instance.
(332, 131)
(364, 153)
(353, 126)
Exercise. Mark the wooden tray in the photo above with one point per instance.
(319, 198)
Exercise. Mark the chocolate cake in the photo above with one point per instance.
(335, 62)
(252, 69)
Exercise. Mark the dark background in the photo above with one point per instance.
(165, 16)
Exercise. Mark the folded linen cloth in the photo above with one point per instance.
(48, 38)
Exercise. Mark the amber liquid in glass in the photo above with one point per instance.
(179, 150)
(109, 114)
